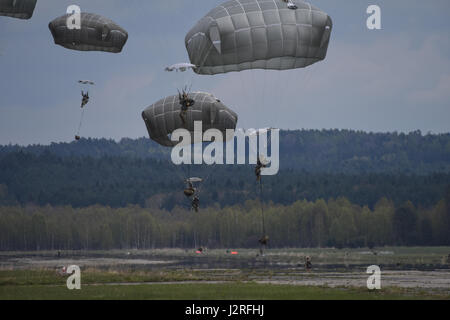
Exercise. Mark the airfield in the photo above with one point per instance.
(181, 274)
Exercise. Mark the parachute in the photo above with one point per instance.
(194, 179)
(192, 190)
(163, 117)
(262, 162)
(86, 82)
(84, 101)
(20, 9)
(241, 35)
(180, 112)
(259, 34)
(96, 34)
(180, 67)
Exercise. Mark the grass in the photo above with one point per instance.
(122, 285)
(95, 276)
(384, 255)
(227, 291)
(235, 281)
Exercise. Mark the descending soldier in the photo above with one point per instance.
(185, 103)
(258, 168)
(264, 240)
(190, 190)
(263, 244)
(85, 99)
(84, 102)
(195, 203)
(193, 192)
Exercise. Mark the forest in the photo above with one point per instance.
(330, 151)
(334, 223)
(335, 188)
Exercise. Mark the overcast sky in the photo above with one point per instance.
(394, 79)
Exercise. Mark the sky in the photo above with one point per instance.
(393, 79)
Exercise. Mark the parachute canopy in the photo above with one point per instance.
(86, 82)
(96, 34)
(194, 179)
(180, 67)
(259, 34)
(163, 117)
(21, 9)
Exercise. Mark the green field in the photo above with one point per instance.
(175, 274)
(181, 285)
(198, 291)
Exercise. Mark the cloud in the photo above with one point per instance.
(439, 93)
(390, 66)
(123, 87)
(357, 86)
(393, 79)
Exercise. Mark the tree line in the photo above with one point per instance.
(335, 188)
(330, 151)
(119, 181)
(333, 223)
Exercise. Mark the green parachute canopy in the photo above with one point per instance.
(20, 9)
(259, 34)
(163, 117)
(96, 34)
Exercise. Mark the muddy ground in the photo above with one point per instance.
(422, 268)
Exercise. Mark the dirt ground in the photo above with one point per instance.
(421, 268)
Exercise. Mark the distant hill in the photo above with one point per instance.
(363, 167)
(325, 151)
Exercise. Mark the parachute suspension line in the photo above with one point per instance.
(307, 78)
(313, 74)
(308, 75)
(263, 241)
(261, 78)
(81, 121)
(211, 172)
(181, 174)
(180, 170)
(262, 207)
(263, 93)
(244, 85)
(254, 95)
(179, 83)
(278, 88)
